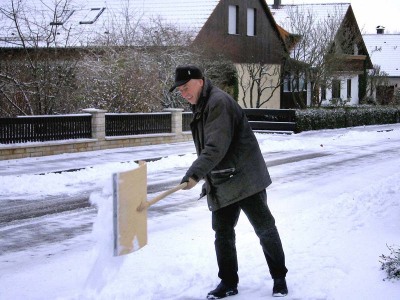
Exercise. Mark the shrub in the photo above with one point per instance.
(391, 263)
(341, 117)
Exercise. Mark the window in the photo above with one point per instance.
(233, 19)
(251, 21)
(292, 83)
(336, 89)
(302, 83)
(286, 83)
(348, 88)
(323, 92)
(92, 15)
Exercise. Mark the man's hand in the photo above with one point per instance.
(190, 182)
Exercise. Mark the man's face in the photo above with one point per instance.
(191, 90)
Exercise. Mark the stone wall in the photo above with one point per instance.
(98, 141)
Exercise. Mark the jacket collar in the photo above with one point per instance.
(204, 95)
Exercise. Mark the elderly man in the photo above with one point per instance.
(235, 174)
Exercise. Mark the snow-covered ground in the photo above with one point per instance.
(335, 197)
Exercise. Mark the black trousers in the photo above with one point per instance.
(224, 221)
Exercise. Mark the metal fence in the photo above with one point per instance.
(277, 120)
(137, 123)
(44, 128)
(259, 119)
(186, 119)
(52, 128)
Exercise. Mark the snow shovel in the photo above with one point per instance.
(130, 209)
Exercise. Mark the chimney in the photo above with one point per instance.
(380, 29)
(277, 3)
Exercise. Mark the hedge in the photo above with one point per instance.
(341, 117)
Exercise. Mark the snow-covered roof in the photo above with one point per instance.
(81, 21)
(384, 50)
(319, 12)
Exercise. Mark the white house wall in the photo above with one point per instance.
(354, 91)
(354, 100)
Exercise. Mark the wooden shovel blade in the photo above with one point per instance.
(130, 225)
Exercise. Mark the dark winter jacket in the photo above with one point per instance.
(229, 157)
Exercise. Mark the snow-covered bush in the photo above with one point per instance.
(391, 263)
(396, 97)
(340, 117)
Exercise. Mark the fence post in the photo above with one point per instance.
(176, 119)
(98, 122)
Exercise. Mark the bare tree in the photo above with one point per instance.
(118, 80)
(376, 77)
(151, 49)
(169, 47)
(258, 83)
(55, 67)
(378, 88)
(320, 50)
(35, 78)
(132, 71)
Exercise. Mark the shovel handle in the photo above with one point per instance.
(146, 204)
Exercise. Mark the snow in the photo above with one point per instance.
(335, 197)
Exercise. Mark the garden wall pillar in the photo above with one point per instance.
(176, 119)
(98, 122)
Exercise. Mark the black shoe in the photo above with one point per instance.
(280, 288)
(222, 291)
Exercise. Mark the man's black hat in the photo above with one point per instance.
(184, 73)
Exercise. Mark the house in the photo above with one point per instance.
(244, 31)
(384, 50)
(328, 55)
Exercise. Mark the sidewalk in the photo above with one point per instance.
(74, 161)
(21, 209)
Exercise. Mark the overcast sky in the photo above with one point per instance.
(369, 13)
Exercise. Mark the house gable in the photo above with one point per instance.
(321, 13)
(265, 46)
(356, 52)
(342, 53)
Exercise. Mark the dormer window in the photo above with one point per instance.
(92, 15)
(233, 19)
(65, 15)
(251, 21)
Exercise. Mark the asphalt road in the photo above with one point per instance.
(27, 224)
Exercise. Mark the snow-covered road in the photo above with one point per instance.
(335, 196)
(31, 219)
